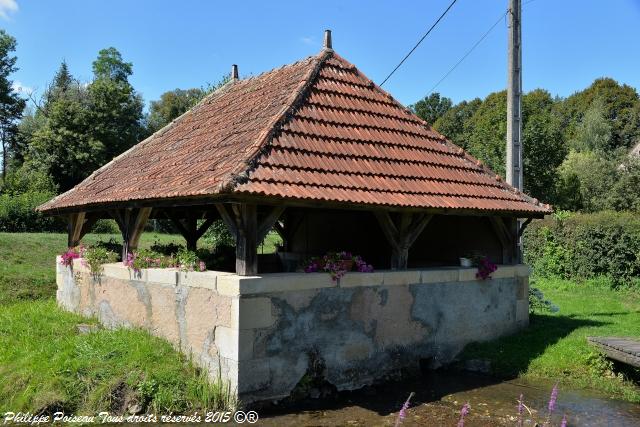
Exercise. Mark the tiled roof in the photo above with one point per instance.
(315, 130)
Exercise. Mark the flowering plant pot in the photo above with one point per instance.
(337, 264)
(465, 262)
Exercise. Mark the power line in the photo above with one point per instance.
(419, 41)
(472, 48)
(468, 52)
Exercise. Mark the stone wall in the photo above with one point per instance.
(268, 332)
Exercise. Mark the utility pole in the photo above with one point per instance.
(514, 97)
(514, 114)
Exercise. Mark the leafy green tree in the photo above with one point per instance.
(585, 180)
(453, 123)
(486, 132)
(115, 107)
(543, 144)
(620, 109)
(171, 105)
(625, 193)
(62, 144)
(11, 104)
(432, 107)
(593, 133)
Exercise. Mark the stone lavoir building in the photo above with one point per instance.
(318, 152)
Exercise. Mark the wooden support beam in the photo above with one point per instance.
(402, 236)
(242, 222)
(228, 220)
(269, 221)
(131, 223)
(247, 240)
(506, 231)
(501, 233)
(74, 229)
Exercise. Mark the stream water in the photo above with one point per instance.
(439, 395)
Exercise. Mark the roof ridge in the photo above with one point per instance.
(240, 173)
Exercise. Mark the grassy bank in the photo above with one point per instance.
(46, 365)
(555, 345)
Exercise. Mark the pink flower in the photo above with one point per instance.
(463, 413)
(202, 266)
(403, 411)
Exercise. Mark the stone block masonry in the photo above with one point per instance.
(263, 334)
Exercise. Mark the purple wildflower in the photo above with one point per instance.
(463, 413)
(553, 399)
(564, 421)
(520, 410)
(403, 412)
(202, 266)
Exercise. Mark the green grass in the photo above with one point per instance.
(555, 345)
(46, 364)
(27, 270)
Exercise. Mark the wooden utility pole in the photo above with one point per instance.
(514, 97)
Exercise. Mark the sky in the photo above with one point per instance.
(187, 43)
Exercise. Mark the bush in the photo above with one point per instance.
(218, 236)
(105, 226)
(585, 246)
(18, 215)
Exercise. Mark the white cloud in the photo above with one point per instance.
(20, 88)
(7, 7)
(306, 40)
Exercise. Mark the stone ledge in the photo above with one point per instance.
(233, 285)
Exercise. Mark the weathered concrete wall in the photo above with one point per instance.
(267, 332)
(184, 308)
(367, 326)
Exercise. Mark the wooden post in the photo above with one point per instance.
(508, 236)
(246, 239)
(243, 224)
(131, 223)
(401, 237)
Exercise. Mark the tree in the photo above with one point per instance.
(11, 105)
(585, 180)
(543, 144)
(110, 66)
(171, 105)
(431, 107)
(593, 133)
(115, 107)
(620, 109)
(453, 123)
(62, 143)
(625, 193)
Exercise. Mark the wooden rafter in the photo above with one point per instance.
(402, 236)
(131, 223)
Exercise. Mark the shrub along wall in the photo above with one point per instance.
(584, 246)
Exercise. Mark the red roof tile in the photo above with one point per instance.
(314, 130)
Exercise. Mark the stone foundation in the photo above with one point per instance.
(263, 334)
